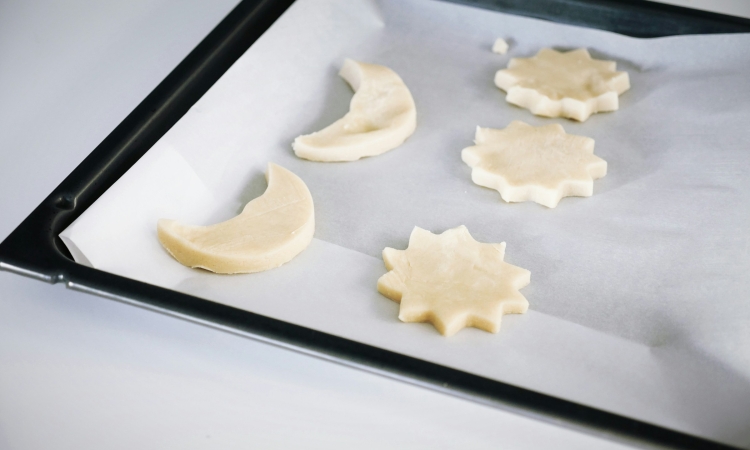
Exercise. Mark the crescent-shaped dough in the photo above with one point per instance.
(270, 231)
(381, 116)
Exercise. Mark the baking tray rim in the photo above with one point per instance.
(34, 249)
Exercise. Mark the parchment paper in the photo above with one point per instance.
(640, 295)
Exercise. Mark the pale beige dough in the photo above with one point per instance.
(453, 281)
(500, 46)
(381, 116)
(563, 84)
(271, 230)
(542, 164)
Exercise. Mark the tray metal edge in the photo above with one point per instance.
(636, 18)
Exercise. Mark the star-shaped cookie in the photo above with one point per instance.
(542, 164)
(563, 84)
(453, 281)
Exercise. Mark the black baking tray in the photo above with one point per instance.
(35, 250)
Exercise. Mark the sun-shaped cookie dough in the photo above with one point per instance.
(542, 164)
(453, 281)
(563, 84)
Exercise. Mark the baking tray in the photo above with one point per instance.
(35, 250)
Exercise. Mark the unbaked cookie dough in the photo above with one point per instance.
(500, 46)
(542, 164)
(453, 281)
(563, 84)
(381, 116)
(270, 231)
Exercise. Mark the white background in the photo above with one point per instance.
(78, 371)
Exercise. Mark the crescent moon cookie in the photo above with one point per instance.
(270, 231)
(563, 84)
(453, 281)
(542, 164)
(381, 116)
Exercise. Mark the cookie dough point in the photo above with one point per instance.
(453, 281)
(563, 84)
(270, 231)
(500, 46)
(381, 116)
(541, 164)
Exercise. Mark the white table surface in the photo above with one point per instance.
(78, 371)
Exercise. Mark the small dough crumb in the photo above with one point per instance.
(453, 281)
(542, 164)
(500, 46)
(563, 84)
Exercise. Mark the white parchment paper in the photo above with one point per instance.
(640, 295)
